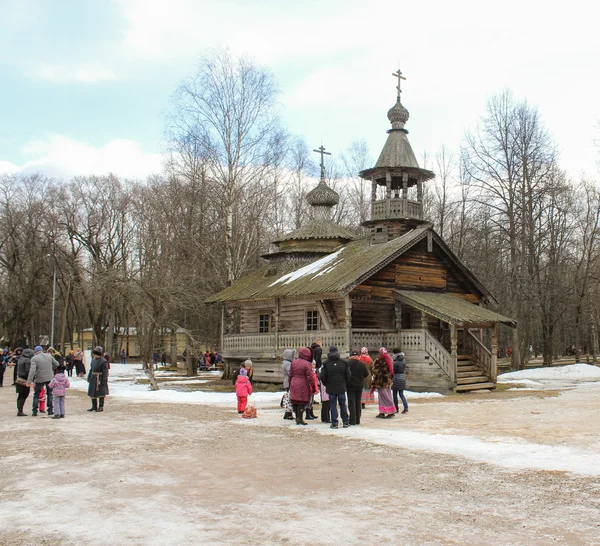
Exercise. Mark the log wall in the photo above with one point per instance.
(292, 317)
(417, 269)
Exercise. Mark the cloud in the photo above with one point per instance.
(60, 74)
(179, 29)
(61, 157)
(8, 168)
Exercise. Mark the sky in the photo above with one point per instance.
(85, 85)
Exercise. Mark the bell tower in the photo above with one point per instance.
(396, 180)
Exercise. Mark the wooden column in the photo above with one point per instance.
(388, 185)
(454, 350)
(276, 324)
(420, 197)
(405, 195)
(348, 307)
(222, 328)
(373, 190)
(494, 365)
(398, 312)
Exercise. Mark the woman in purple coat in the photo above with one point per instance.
(301, 383)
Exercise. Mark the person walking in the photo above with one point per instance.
(155, 360)
(98, 380)
(399, 381)
(59, 386)
(301, 382)
(381, 380)
(23, 366)
(124, 357)
(288, 357)
(335, 374)
(41, 373)
(358, 374)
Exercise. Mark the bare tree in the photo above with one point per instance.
(228, 109)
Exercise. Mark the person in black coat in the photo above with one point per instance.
(399, 381)
(98, 380)
(22, 367)
(317, 353)
(358, 373)
(335, 374)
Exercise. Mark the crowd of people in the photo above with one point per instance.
(348, 384)
(46, 371)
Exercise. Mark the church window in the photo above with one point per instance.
(263, 323)
(312, 320)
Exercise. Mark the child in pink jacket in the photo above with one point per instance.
(243, 389)
(59, 386)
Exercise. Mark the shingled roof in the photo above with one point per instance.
(451, 309)
(335, 274)
(318, 229)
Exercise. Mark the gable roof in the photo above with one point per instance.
(334, 275)
(451, 309)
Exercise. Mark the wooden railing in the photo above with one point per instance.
(481, 355)
(248, 342)
(395, 208)
(294, 340)
(374, 339)
(270, 345)
(442, 357)
(412, 340)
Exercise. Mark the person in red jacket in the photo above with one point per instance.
(243, 389)
(302, 383)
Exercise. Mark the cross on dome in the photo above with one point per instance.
(321, 150)
(398, 74)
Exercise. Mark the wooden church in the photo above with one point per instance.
(399, 287)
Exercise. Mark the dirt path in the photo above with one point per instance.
(143, 473)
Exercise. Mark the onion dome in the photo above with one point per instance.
(322, 196)
(398, 115)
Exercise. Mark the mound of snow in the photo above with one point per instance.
(571, 373)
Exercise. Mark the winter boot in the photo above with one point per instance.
(309, 417)
(299, 414)
(288, 416)
(94, 405)
(312, 414)
(101, 407)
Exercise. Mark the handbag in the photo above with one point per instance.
(21, 381)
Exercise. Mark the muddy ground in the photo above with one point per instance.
(145, 473)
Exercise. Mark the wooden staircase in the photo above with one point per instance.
(469, 377)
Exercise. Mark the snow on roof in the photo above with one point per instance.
(309, 269)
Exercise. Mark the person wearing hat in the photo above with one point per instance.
(335, 374)
(41, 372)
(98, 380)
(358, 374)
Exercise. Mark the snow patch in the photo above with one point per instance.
(309, 269)
(513, 454)
(556, 377)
